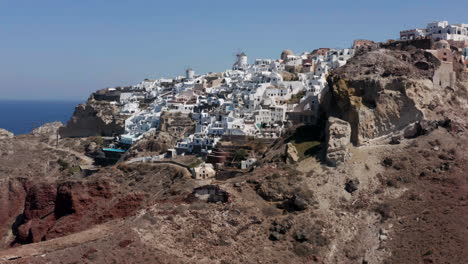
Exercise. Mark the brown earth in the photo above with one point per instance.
(409, 207)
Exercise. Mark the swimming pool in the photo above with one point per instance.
(113, 150)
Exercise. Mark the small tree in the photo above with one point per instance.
(240, 154)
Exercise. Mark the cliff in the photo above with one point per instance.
(95, 118)
(383, 92)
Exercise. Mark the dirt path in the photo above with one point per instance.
(84, 159)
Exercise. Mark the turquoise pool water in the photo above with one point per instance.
(113, 150)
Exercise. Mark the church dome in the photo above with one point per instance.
(442, 44)
(286, 53)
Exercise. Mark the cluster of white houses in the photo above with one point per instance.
(257, 99)
(440, 30)
(443, 33)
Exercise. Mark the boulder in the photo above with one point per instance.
(92, 147)
(4, 134)
(338, 138)
(292, 156)
(351, 185)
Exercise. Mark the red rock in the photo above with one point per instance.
(12, 197)
(40, 201)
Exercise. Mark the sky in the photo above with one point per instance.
(66, 49)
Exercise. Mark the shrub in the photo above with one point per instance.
(195, 163)
(63, 164)
(74, 169)
(240, 154)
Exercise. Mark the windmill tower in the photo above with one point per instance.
(189, 73)
(241, 61)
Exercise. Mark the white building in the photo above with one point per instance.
(204, 171)
(190, 74)
(440, 30)
(248, 100)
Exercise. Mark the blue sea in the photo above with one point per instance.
(20, 117)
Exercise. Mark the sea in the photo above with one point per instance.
(21, 117)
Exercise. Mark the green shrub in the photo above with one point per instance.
(74, 169)
(195, 163)
(63, 164)
(240, 154)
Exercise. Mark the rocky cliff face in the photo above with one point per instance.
(383, 91)
(95, 118)
(12, 197)
(53, 210)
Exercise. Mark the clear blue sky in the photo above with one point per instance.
(64, 49)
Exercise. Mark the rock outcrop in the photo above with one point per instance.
(292, 156)
(48, 210)
(12, 196)
(48, 132)
(95, 118)
(5, 134)
(338, 139)
(49, 129)
(382, 92)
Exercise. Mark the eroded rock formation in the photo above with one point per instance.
(42, 211)
(338, 139)
(95, 118)
(382, 92)
(292, 155)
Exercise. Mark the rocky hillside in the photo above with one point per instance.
(388, 184)
(48, 197)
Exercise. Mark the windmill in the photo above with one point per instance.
(189, 72)
(241, 60)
